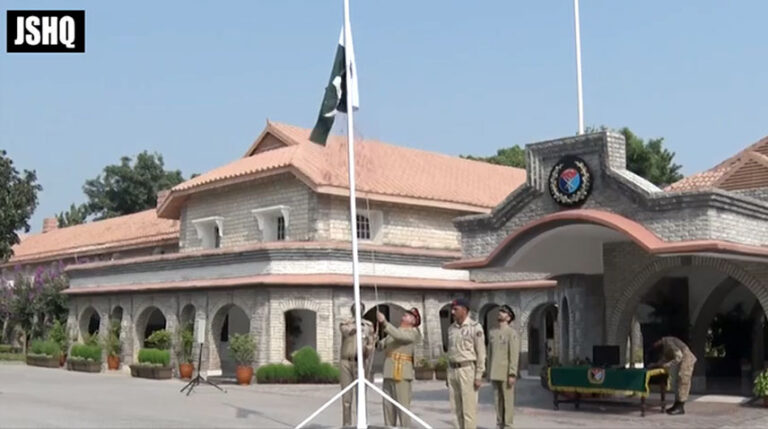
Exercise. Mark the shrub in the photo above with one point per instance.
(761, 384)
(159, 340)
(276, 373)
(86, 352)
(327, 373)
(11, 357)
(7, 348)
(112, 344)
(185, 343)
(242, 347)
(45, 348)
(92, 339)
(424, 363)
(441, 364)
(306, 361)
(155, 357)
(58, 334)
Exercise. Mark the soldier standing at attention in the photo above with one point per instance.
(399, 346)
(503, 355)
(677, 357)
(348, 358)
(466, 364)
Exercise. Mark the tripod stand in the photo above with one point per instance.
(196, 381)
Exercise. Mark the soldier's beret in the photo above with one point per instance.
(362, 308)
(415, 312)
(460, 302)
(507, 309)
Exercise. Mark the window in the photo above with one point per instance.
(209, 231)
(273, 222)
(281, 228)
(369, 224)
(363, 228)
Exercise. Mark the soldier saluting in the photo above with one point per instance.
(504, 353)
(399, 346)
(466, 364)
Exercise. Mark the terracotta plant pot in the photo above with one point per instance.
(62, 360)
(765, 401)
(113, 362)
(244, 375)
(186, 370)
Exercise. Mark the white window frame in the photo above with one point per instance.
(376, 221)
(266, 221)
(205, 230)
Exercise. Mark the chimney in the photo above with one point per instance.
(161, 195)
(49, 224)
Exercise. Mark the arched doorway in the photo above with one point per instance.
(489, 314)
(565, 331)
(542, 336)
(394, 314)
(446, 319)
(150, 321)
(229, 320)
(300, 331)
(90, 322)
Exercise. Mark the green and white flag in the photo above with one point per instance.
(339, 88)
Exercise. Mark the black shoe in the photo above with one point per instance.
(677, 409)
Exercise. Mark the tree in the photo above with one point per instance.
(511, 156)
(18, 200)
(75, 216)
(646, 159)
(128, 187)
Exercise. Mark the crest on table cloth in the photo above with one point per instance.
(596, 375)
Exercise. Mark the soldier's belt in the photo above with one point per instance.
(399, 359)
(455, 365)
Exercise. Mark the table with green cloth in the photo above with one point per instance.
(585, 381)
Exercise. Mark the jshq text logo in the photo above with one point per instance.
(45, 31)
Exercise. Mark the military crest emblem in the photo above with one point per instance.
(596, 375)
(570, 181)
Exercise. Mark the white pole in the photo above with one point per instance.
(326, 405)
(578, 66)
(362, 422)
(398, 405)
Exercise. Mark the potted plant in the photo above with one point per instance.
(153, 363)
(113, 345)
(85, 358)
(242, 347)
(441, 368)
(58, 334)
(761, 386)
(185, 343)
(44, 353)
(423, 370)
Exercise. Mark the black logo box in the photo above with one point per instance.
(11, 34)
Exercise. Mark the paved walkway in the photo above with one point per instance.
(39, 397)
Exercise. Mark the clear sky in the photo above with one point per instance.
(196, 80)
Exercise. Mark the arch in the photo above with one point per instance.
(446, 319)
(541, 333)
(229, 319)
(150, 319)
(488, 318)
(187, 315)
(300, 331)
(90, 321)
(619, 318)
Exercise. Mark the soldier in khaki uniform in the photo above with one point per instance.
(677, 357)
(504, 353)
(348, 358)
(399, 346)
(466, 364)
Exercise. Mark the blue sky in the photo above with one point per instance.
(195, 81)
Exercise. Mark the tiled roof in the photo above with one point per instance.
(746, 170)
(124, 232)
(382, 171)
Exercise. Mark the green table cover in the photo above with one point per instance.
(584, 379)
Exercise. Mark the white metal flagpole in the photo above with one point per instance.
(578, 66)
(362, 420)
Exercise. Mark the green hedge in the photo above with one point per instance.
(46, 348)
(87, 352)
(11, 357)
(155, 357)
(306, 362)
(276, 373)
(7, 348)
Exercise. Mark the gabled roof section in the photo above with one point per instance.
(384, 172)
(132, 231)
(747, 169)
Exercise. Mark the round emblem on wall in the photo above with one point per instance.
(570, 181)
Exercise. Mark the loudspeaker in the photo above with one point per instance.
(200, 330)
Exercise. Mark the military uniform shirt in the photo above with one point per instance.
(348, 341)
(466, 342)
(504, 353)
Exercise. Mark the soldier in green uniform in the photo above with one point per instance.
(504, 353)
(677, 357)
(348, 358)
(399, 346)
(466, 364)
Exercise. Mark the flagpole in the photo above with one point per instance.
(362, 422)
(580, 100)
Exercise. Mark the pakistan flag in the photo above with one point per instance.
(339, 88)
